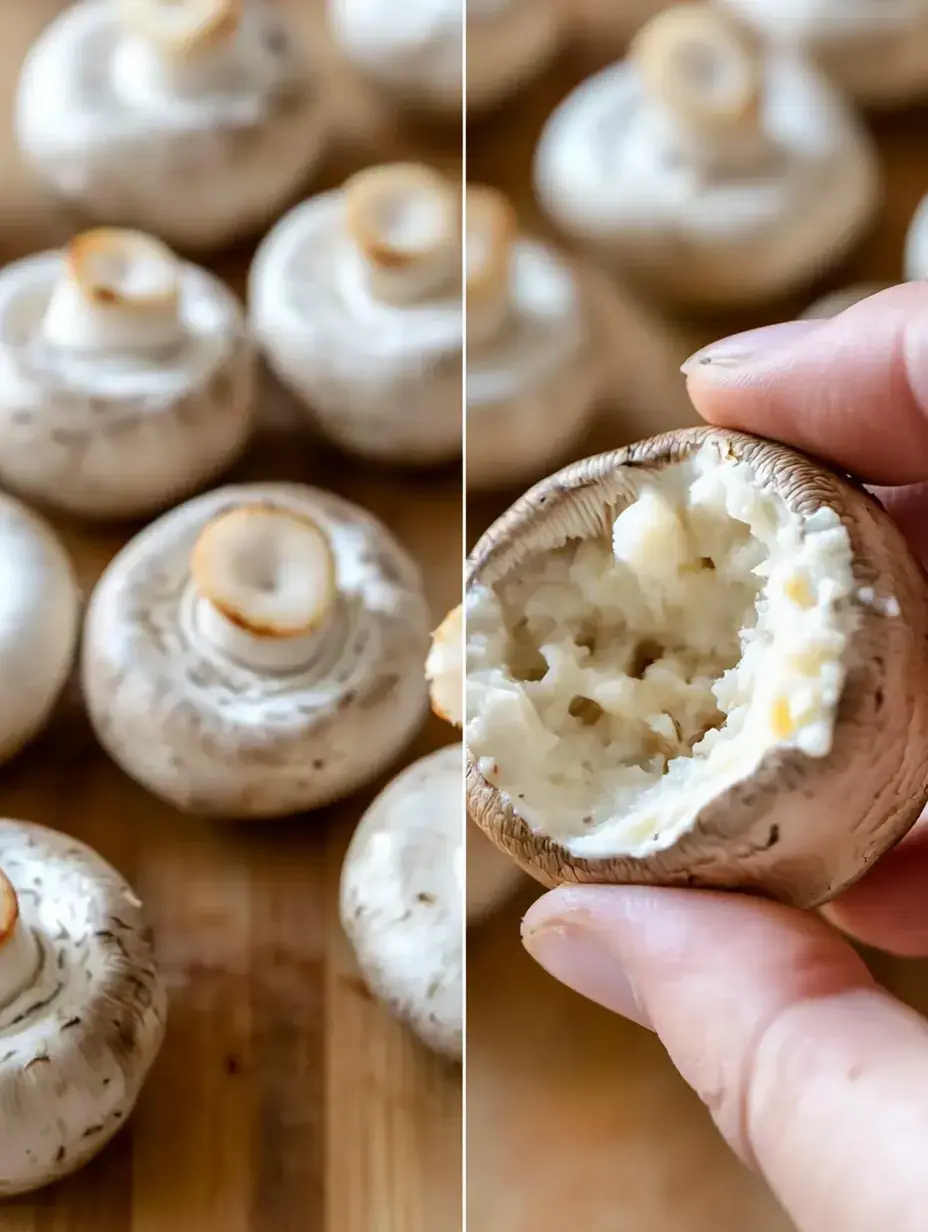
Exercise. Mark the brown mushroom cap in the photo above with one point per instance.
(801, 828)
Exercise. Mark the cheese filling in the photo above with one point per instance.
(615, 688)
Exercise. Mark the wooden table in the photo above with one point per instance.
(285, 1099)
(575, 1119)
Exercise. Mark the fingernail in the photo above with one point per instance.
(740, 350)
(580, 960)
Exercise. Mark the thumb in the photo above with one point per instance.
(816, 1076)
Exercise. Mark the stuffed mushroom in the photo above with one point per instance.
(700, 660)
(196, 120)
(257, 652)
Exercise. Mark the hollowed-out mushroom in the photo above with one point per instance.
(39, 618)
(711, 172)
(257, 651)
(700, 660)
(873, 51)
(532, 372)
(128, 378)
(82, 1007)
(355, 297)
(416, 49)
(197, 120)
(835, 302)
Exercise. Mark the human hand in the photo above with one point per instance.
(816, 1076)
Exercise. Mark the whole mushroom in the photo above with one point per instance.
(82, 1006)
(709, 171)
(700, 660)
(127, 378)
(533, 377)
(39, 620)
(257, 652)
(197, 120)
(355, 297)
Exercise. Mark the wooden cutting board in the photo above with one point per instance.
(285, 1099)
(576, 1119)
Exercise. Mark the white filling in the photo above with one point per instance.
(613, 690)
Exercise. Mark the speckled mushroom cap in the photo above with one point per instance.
(226, 713)
(877, 53)
(402, 898)
(355, 298)
(416, 49)
(798, 827)
(722, 184)
(126, 376)
(39, 618)
(197, 124)
(83, 1013)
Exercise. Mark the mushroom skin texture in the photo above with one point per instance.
(533, 375)
(200, 689)
(835, 302)
(355, 299)
(415, 50)
(875, 53)
(708, 189)
(127, 380)
(802, 824)
(197, 122)
(915, 261)
(39, 623)
(83, 1006)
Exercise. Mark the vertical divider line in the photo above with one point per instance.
(463, 609)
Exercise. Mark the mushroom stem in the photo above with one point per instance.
(403, 221)
(491, 228)
(20, 956)
(266, 588)
(118, 291)
(178, 48)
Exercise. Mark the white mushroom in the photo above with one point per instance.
(916, 244)
(257, 651)
(127, 378)
(707, 171)
(835, 302)
(355, 297)
(873, 51)
(82, 1007)
(39, 617)
(415, 49)
(533, 378)
(195, 120)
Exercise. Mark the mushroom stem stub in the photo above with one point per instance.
(403, 221)
(491, 230)
(19, 952)
(177, 48)
(118, 291)
(266, 586)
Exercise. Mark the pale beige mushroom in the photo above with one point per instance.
(700, 660)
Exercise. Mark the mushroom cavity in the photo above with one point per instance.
(39, 618)
(195, 120)
(708, 169)
(82, 1007)
(699, 659)
(355, 297)
(127, 377)
(257, 651)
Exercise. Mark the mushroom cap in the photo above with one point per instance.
(210, 734)
(380, 379)
(100, 434)
(198, 168)
(79, 1043)
(39, 620)
(402, 898)
(800, 828)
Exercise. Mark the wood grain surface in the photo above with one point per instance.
(285, 1099)
(575, 1119)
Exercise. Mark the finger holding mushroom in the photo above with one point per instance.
(709, 170)
(196, 121)
(82, 1006)
(257, 652)
(128, 379)
(39, 621)
(355, 297)
(699, 660)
